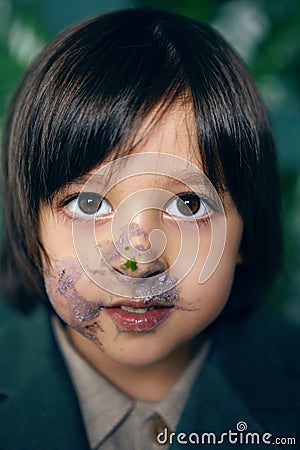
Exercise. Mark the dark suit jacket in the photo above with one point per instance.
(252, 375)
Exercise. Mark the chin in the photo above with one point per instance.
(136, 352)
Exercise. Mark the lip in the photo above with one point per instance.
(155, 301)
(141, 321)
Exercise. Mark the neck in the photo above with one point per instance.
(149, 383)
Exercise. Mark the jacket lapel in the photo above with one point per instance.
(214, 407)
(37, 395)
(250, 376)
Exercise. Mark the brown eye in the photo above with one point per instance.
(89, 204)
(187, 204)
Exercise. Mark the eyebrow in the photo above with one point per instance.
(179, 177)
(189, 178)
(195, 180)
(79, 182)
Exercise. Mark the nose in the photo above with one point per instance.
(145, 249)
(142, 270)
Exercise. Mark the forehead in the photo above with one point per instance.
(171, 132)
(164, 149)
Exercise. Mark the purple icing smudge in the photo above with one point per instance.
(163, 291)
(66, 274)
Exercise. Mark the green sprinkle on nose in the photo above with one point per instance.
(130, 264)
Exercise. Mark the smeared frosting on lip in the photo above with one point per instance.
(63, 288)
(158, 291)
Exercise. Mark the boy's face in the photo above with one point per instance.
(135, 292)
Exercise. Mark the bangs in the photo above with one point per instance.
(91, 88)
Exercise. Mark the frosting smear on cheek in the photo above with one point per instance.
(69, 304)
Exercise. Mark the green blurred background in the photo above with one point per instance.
(265, 33)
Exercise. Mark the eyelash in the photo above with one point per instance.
(184, 201)
(212, 208)
(65, 218)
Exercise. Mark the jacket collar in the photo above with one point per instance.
(38, 404)
(214, 406)
(259, 357)
(237, 382)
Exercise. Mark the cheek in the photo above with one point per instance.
(65, 285)
(205, 301)
(202, 303)
(209, 298)
(56, 239)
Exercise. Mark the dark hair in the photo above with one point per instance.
(88, 91)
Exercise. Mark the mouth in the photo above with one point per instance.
(137, 317)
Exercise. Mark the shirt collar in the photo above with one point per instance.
(171, 406)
